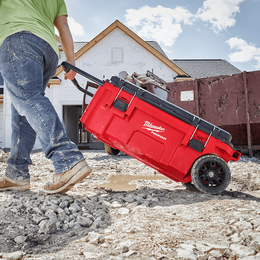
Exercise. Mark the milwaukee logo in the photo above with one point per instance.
(149, 126)
(154, 129)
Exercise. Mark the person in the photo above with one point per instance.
(28, 60)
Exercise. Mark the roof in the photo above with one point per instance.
(78, 46)
(152, 47)
(205, 68)
(157, 47)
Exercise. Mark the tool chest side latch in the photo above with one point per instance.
(122, 103)
(198, 143)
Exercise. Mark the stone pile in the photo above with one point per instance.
(159, 220)
(28, 219)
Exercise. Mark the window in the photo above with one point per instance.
(117, 55)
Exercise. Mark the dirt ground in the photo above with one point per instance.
(139, 215)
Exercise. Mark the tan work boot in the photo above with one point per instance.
(65, 181)
(18, 184)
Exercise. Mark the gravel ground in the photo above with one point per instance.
(160, 219)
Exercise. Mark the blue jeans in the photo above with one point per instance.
(27, 63)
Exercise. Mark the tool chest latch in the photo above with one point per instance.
(121, 103)
(198, 143)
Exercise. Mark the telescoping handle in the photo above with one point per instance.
(67, 67)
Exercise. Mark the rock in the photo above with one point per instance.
(243, 225)
(242, 251)
(64, 204)
(203, 248)
(62, 216)
(125, 249)
(95, 238)
(94, 256)
(52, 206)
(256, 243)
(221, 248)
(37, 210)
(74, 208)
(186, 251)
(20, 239)
(216, 254)
(47, 227)
(13, 256)
(67, 211)
(37, 219)
(77, 226)
(130, 253)
(116, 204)
(229, 254)
(60, 210)
(55, 201)
(253, 257)
(123, 211)
(129, 199)
(51, 214)
(85, 222)
(235, 238)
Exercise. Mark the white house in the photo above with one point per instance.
(114, 50)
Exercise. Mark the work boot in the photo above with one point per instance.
(19, 184)
(65, 181)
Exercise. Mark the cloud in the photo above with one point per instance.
(159, 23)
(165, 24)
(75, 28)
(243, 52)
(221, 13)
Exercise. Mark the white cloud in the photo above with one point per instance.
(159, 23)
(219, 13)
(75, 28)
(243, 52)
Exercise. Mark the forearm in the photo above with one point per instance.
(67, 44)
(66, 38)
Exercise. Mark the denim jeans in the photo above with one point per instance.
(27, 63)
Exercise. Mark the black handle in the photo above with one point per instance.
(65, 65)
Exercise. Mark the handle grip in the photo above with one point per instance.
(67, 66)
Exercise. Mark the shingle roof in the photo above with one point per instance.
(79, 45)
(205, 68)
(157, 47)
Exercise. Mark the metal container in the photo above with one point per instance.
(230, 102)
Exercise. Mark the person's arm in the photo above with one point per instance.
(61, 23)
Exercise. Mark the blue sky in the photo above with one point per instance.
(185, 29)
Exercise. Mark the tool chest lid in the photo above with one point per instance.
(172, 109)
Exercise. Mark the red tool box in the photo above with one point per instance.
(171, 140)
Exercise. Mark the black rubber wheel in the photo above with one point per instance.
(189, 186)
(111, 151)
(210, 174)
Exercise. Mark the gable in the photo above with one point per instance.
(136, 38)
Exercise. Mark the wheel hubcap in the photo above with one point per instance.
(211, 174)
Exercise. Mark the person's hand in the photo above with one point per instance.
(70, 75)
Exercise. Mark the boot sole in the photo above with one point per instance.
(17, 188)
(78, 177)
